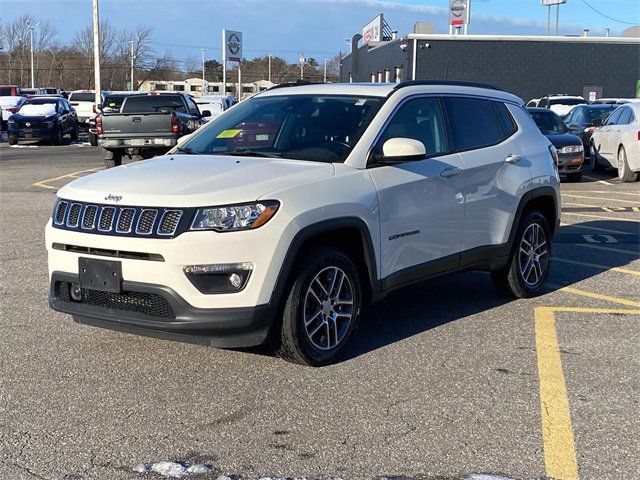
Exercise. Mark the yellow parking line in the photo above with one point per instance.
(594, 198)
(609, 192)
(597, 296)
(42, 183)
(597, 229)
(606, 209)
(557, 433)
(598, 266)
(605, 249)
(602, 217)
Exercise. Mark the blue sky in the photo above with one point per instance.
(316, 27)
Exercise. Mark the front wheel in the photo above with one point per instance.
(13, 140)
(58, 139)
(593, 159)
(74, 134)
(322, 308)
(530, 259)
(625, 174)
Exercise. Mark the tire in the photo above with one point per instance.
(13, 140)
(624, 172)
(316, 325)
(93, 139)
(59, 138)
(593, 159)
(521, 278)
(113, 159)
(574, 177)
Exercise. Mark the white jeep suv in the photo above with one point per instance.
(279, 220)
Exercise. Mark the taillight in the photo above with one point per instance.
(639, 135)
(175, 124)
(554, 153)
(99, 125)
(12, 110)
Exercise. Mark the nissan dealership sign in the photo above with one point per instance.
(459, 12)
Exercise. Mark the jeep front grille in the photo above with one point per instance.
(121, 220)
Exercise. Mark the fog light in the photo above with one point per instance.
(219, 278)
(76, 292)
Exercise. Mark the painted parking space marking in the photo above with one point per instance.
(586, 197)
(72, 175)
(598, 266)
(599, 239)
(601, 217)
(596, 229)
(608, 249)
(606, 192)
(557, 431)
(604, 182)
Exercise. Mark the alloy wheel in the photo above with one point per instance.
(533, 257)
(328, 308)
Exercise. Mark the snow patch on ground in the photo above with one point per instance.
(173, 469)
(23, 146)
(484, 476)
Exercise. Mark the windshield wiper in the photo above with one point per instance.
(245, 152)
(187, 150)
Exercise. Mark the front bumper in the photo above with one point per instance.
(32, 134)
(158, 311)
(570, 162)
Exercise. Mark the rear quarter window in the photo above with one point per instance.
(475, 122)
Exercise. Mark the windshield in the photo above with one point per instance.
(318, 128)
(567, 101)
(549, 122)
(44, 109)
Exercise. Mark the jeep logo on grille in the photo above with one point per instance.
(113, 198)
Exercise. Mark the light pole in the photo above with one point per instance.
(31, 28)
(132, 63)
(325, 70)
(96, 53)
(202, 52)
(269, 68)
(301, 65)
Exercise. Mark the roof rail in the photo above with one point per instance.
(411, 83)
(297, 83)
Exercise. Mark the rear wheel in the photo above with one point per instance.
(574, 177)
(625, 174)
(113, 159)
(593, 159)
(530, 259)
(322, 308)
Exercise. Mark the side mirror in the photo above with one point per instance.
(205, 113)
(573, 127)
(400, 149)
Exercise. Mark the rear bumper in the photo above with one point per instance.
(138, 142)
(173, 319)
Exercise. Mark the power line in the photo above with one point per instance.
(607, 16)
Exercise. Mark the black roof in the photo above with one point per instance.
(411, 83)
(42, 101)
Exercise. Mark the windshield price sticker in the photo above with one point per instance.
(228, 133)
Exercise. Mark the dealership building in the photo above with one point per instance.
(529, 66)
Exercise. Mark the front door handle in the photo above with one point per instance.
(450, 172)
(512, 158)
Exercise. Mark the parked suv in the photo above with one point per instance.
(338, 194)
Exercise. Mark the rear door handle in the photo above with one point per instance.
(512, 158)
(450, 172)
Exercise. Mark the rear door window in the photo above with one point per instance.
(474, 123)
(615, 116)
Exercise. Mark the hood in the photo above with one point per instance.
(193, 180)
(560, 140)
(561, 110)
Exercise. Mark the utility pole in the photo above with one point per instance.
(548, 20)
(31, 28)
(96, 53)
(224, 62)
(269, 68)
(301, 54)
(325, 70)
(132, 63)
(203, 81)
(557, 17)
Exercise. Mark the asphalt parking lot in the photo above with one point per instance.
(444, 380)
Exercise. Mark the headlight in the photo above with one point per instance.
(235, 217)
(571, 149)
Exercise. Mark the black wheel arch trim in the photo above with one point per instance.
(539, 192)
(319, 228)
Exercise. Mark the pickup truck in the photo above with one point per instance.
(147, 125)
